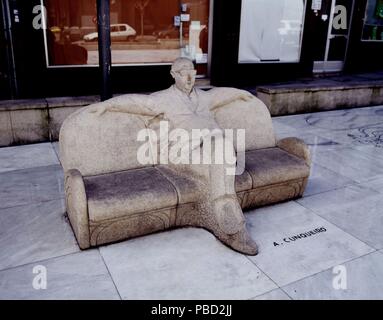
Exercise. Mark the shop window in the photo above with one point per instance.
(142, 32)
(373, 21)
(69, 23)
(271, 31)
(159, 31)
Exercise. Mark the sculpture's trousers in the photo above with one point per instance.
(212, 160)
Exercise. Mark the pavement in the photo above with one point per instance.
(343, 260)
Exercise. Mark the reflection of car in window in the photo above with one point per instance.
(120, 31)
(172, 32)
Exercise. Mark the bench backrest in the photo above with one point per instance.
(108, 143)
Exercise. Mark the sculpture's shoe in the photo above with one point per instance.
(241, 242)
(228, 224)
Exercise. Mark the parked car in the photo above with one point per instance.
(121, 31)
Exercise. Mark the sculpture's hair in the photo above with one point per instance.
(179, 62)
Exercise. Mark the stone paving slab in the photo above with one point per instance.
(356, 164)
(323, 180)
(34, 232)
(376, 184)
(332, 121)
(56, 148)
(276, 294)
(286, 259)
(76, 276)
(356, 209)
(31, 185)
(343, 195)
(364, 280)
(28, 156)
(183, 264)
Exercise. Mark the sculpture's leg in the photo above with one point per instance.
(220, 209)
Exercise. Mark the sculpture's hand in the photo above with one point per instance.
(156, 119)
(99, 110)
(246, 97)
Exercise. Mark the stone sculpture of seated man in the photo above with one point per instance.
(188, 108)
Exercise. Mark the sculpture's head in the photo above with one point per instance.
(184, 74)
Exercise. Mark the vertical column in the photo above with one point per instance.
(104, 44)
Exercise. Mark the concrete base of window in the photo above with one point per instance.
(40, 120)
(31, 121)
(321, 95)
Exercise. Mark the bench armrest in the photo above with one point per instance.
(77, 206)
(297, 147)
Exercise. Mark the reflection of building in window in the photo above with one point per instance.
(64, 52)
(73, 18)
(142, 31)
(68, 22)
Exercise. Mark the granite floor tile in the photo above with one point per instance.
(363, 281)
(356, 209)
(311, 121)
(347, 120)
(295, 243)
(294, 122)
(76, 276)
(31, 185)
(34, 232)
(334, 120)
(359, 165)
(310, 138)
(368, 135)
(375, 184)
(56, 148)
(27, 156)
(282, 129)
(322, 180)
(276, 294)
(372, 151)
(182, 264)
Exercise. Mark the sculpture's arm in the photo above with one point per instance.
(297, 147)
(220, 97)
(140, 105)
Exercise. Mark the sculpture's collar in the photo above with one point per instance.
(192, 93)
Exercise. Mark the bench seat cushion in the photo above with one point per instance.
(143, 190)
(131, 203)
(128, 192)
(273, 165)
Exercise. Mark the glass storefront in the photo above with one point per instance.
(271, 30)
(142, 31)
(68, 22)
(373, 21)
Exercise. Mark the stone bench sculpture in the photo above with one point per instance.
(111, 196)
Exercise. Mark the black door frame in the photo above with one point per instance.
(8, 79)
(362, 56)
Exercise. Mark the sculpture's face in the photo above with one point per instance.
(185, 77)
